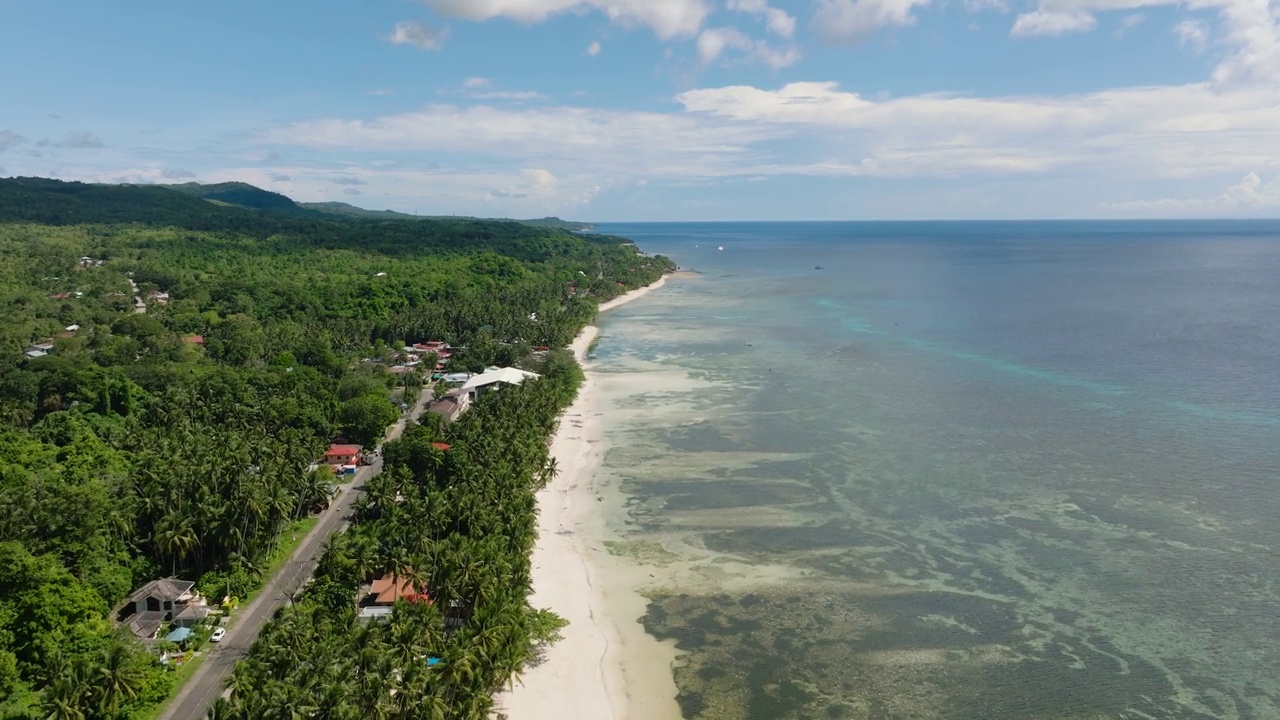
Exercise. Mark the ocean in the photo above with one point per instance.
(963, 470)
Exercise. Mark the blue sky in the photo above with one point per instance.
(662, 109)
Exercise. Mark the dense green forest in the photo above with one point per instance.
(178, 441)
(459, 524)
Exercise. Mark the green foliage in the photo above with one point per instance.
(365, 417)
(458, 523)
(131, 452)
(9, 677)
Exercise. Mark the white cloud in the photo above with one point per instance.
(666, 18)
(563, 139)
(817, 129)
(853, 20)
(1250, 194)
(474, 83)
(1159, 131)
(594, 48)
(417, 34)
(1250, 29)
(713, 42)
(1044, 22)
(1193, 34)
(380, 92)
(778, 21)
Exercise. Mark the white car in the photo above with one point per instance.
(217, 634)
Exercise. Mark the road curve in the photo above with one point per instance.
(205, 685)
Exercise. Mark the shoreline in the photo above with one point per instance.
(605, 667)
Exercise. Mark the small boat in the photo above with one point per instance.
(817, 267)
(720, 248)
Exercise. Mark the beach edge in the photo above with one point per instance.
(605, 667)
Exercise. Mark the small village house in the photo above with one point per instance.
(38, 349)
(454, 403)
(384, 593)
(167, 600)
(342, 455)
(495, 378)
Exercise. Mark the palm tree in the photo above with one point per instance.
(118, 677)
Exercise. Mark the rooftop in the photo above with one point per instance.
(389, 588)
(164, 589)
(508, 375)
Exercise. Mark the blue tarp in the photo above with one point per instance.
(432, 661)
(178, 635)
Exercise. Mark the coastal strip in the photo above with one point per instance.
(606, 667)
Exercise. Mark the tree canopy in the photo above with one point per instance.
(180, 440)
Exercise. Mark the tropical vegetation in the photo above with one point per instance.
(180, 441)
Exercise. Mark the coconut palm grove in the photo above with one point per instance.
(174, 362)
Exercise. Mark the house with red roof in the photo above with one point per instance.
(384, 593)
(342, 455)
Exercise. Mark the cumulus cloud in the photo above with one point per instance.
(279, 177)
(9, 138)
(1162, 131)
(417, 34)
(666, 18)
(82, 140)
(351, 191)
(1046, 22)
(1193, 34)
(474, 83)
(175, 173)
(348, 180)
(817, 130)
(585, 141)
(778, 21)
(1250, 194)
(714, 42)
(379, 92)
(594, 48)
(845, 21)
(1249, 29)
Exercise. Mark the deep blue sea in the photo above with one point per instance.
(964, 470)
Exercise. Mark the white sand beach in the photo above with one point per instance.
(606, 667)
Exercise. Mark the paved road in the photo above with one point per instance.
(193, 702)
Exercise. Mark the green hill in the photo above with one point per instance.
(54, 202)
(348, 210)
(223, 206)
(239, 194)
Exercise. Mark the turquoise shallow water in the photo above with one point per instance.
(973, 470)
